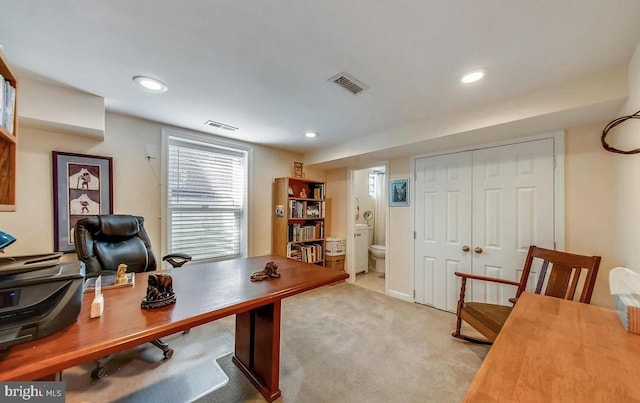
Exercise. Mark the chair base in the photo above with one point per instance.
(99, 371)
(471, 339)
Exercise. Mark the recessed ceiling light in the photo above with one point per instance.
(472, 76)
(311, 134)
(150, 84)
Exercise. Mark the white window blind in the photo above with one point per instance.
(206, 199)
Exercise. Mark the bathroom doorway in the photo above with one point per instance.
(368, 211)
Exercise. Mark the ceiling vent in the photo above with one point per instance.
(220, 125)
(349, 83)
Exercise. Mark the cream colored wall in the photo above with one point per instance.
(627, 136)
(136, 188)
(590, 203)
(590, 200)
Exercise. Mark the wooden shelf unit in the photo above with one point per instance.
(298, 220)
(8, 147)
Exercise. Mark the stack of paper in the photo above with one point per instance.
(628, 310)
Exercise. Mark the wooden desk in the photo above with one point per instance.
(553, 350)
(205, 292)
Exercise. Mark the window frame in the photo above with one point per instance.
(205, 140)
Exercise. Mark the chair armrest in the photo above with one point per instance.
(177, 259)
(483, 278)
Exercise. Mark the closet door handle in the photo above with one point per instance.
(466, 248)
(478, 250)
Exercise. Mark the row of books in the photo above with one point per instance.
(306, 232)
(7, 104)
(305, 253)
(306, 209)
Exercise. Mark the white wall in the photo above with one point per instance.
(136, 188)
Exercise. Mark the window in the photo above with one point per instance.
(372, 184)
(206, 197)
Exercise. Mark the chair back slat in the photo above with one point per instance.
(543, 275)
(560, 273)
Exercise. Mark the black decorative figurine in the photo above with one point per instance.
(159, 291)
(268, 272)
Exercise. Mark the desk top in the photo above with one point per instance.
(205, 292)
(551, 349)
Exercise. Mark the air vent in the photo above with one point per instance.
(220, 125)
(349, 83)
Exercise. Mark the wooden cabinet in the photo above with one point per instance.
(298, 219)
(8, 137)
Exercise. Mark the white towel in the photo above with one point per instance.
(624, 281)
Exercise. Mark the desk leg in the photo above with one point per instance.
(257, 350)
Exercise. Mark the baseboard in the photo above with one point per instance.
(399, 295)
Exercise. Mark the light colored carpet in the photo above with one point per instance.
(340, 343)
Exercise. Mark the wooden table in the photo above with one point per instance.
(553, 350)
(205, 292)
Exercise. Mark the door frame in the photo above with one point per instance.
(558, 186)
(351, 224)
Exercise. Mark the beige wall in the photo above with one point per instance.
(136, 188)
(590, 214)
(628, 173)
(590, 203)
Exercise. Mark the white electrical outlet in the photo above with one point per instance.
(151, 151)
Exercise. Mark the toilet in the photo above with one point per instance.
(376, 253)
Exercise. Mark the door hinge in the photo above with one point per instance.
(554, 162)
(415, 236)
(414, 294)
(555, 247)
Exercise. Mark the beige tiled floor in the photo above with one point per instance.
(371, 281)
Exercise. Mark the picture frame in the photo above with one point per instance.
(399, 192)
(82, 186)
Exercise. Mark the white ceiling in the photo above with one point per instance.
(263, 65)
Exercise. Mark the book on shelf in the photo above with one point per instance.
(109, 281)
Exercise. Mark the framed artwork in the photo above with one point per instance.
(297, 170)
(82, 186)
(398, 192)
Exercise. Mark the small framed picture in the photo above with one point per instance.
(399, 192)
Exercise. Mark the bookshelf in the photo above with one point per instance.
(298, 219)
(8, 137)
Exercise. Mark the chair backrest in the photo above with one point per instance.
(560, 273)
(104, 241)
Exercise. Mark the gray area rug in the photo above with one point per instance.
(340, 343)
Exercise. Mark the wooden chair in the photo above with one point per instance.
(560, 275)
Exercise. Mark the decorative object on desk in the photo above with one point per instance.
(159, 291)
(110, 281)
(97, 305)
(121, 276)
(82, 186)
(399, 192)
(270, 271)
(297, 170)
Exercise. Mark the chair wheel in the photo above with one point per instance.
(98, 373)
(168, 353)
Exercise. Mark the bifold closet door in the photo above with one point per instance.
(513, 207)
(478, 211)
(443, 227)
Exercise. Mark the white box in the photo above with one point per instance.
(335, 246)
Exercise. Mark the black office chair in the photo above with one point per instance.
(105, 241)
